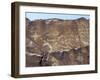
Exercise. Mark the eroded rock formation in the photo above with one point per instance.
(55, 41)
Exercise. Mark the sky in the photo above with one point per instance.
(40, 15)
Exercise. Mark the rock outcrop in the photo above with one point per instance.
(54, 38)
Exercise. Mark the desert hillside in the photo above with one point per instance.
(57, 37)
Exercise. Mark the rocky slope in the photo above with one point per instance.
(50, 37)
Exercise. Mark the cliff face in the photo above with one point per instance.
(55, 36)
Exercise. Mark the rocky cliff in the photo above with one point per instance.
(49, 37)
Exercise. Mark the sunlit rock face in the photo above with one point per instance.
(54, 36)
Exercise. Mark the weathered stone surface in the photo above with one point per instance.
(63, 42)
(72, 57)
(32, 60)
